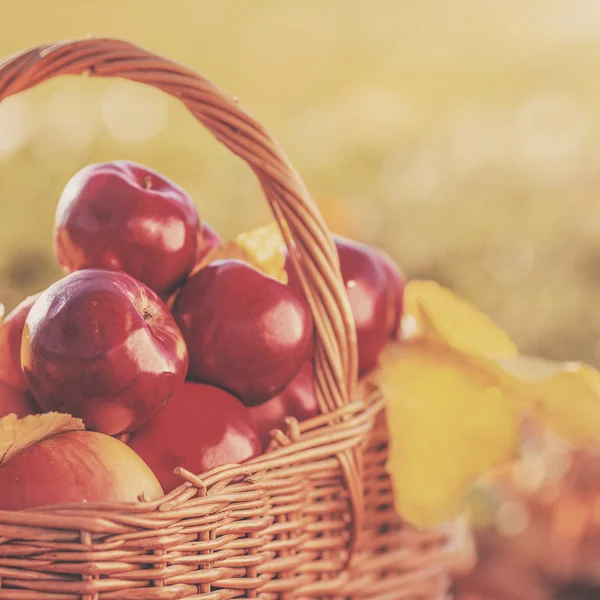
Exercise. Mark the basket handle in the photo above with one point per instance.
(298, 217)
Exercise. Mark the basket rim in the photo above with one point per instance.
(315, 438)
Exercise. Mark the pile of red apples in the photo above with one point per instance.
(195, 360)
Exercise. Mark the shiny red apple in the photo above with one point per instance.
(11, 332)
(103, 347)
(396, 284)
(297, 400)
(246, 332)
(125, 217)
(77, 466)
(13, 401)
(374, 294)
(202, 427)
(208, 240)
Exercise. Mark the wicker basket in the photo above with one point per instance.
(311, 518)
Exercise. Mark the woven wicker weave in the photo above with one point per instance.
(312, 517)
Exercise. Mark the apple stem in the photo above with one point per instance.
(147, 182)
(147, 315)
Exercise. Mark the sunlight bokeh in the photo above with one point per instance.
(462, 137)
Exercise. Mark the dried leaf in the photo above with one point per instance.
(267, 247)
(18, 434)
(230, 250)
(263, 248)
(459, 394)
(449, 423)
(562, 396)
(433, 312)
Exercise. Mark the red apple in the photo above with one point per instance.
(297, 400)
(202, 427)
(14, 401)
(372, 292)
(396, 284)
(11, 332)
(246, 332)
(208, 240)
(77, 466)
(125, 217)
(101, 346)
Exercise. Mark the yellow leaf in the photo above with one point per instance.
(18, 434)
(449, 423)
(433, 312)
(230, 250)
(263, 248)
(563, 396)
(459, 393)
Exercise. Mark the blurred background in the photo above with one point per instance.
(463, 137)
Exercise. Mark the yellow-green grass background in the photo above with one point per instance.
(463, 137)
